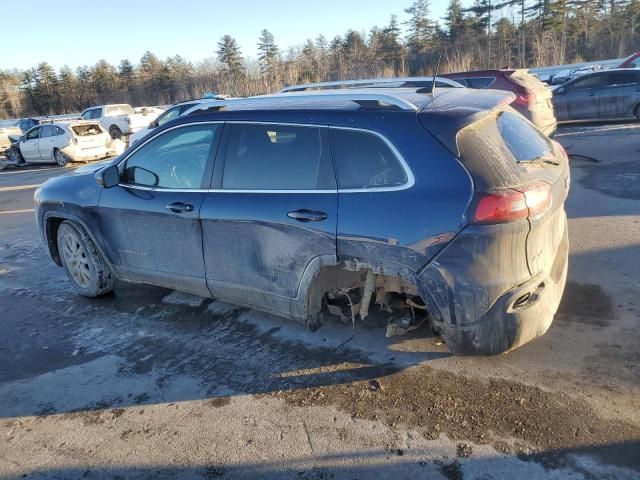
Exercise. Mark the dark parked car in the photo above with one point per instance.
(446, 208)
(533, 97)
(606, 95)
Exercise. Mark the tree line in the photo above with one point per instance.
(487, 34)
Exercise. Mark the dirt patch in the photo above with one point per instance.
(585, 303)
(436, 402)
(219, 402)
(620, 180)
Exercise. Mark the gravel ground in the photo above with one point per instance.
(149, 384)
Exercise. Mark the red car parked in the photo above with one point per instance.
(632, 61)
(533, 98)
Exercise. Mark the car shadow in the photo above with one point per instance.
(616, 460)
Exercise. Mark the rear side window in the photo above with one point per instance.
(175, 159)
(481, 82)
(363, 160)
(274, 157)
(521, 138)
(623, 78)
(47, 131)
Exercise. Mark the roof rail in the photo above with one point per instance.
(362, 98)
(393, 82)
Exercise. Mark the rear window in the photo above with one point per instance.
(492, 147)
(480, 82)
(521, 138)
(87, 130)
(274, 157)
(115, 110)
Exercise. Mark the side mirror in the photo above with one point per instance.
(153, 124)
(108, 177)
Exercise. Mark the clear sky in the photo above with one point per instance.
(77, 33)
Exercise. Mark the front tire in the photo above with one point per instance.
(85, 267)
(60, 158)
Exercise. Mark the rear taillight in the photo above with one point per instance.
(127, 119)
(522, 99)
(510, 205)
(74, 140)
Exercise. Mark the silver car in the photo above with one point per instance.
(605, 95)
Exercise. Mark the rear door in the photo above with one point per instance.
(47, 142)
(619, 94)
(30, 147)
(149, 221)
(272, 211)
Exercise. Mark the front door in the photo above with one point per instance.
(582, 97)
(30, 147)
(272, 212)
(150, 221)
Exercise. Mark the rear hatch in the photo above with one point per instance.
(89, 135)
(537, 99)
(518, 173)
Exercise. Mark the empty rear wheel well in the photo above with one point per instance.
(354, 291)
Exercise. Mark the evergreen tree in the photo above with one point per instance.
(420, 27)
(269, 55)
(230, 57)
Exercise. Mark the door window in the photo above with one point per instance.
(175, 159)
(47, 131)
(618, 79)
(33, 134)
(168, 115)
(276, 157)
(363, 160)
(593, 81)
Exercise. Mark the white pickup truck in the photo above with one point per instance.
(120, 119)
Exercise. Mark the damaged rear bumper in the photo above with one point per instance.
(517, 317)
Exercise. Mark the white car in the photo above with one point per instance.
(172, 112)
(63, 142)
(119, 119)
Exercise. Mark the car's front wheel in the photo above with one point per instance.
(84, 265)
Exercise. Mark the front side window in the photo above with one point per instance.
(593, 81)
(274, 157)
(175, 159)
(363, 160)
(33, 134)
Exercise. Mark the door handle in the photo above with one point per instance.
(179, 207)
(304, 215)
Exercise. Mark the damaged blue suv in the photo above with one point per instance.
(446, 207)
